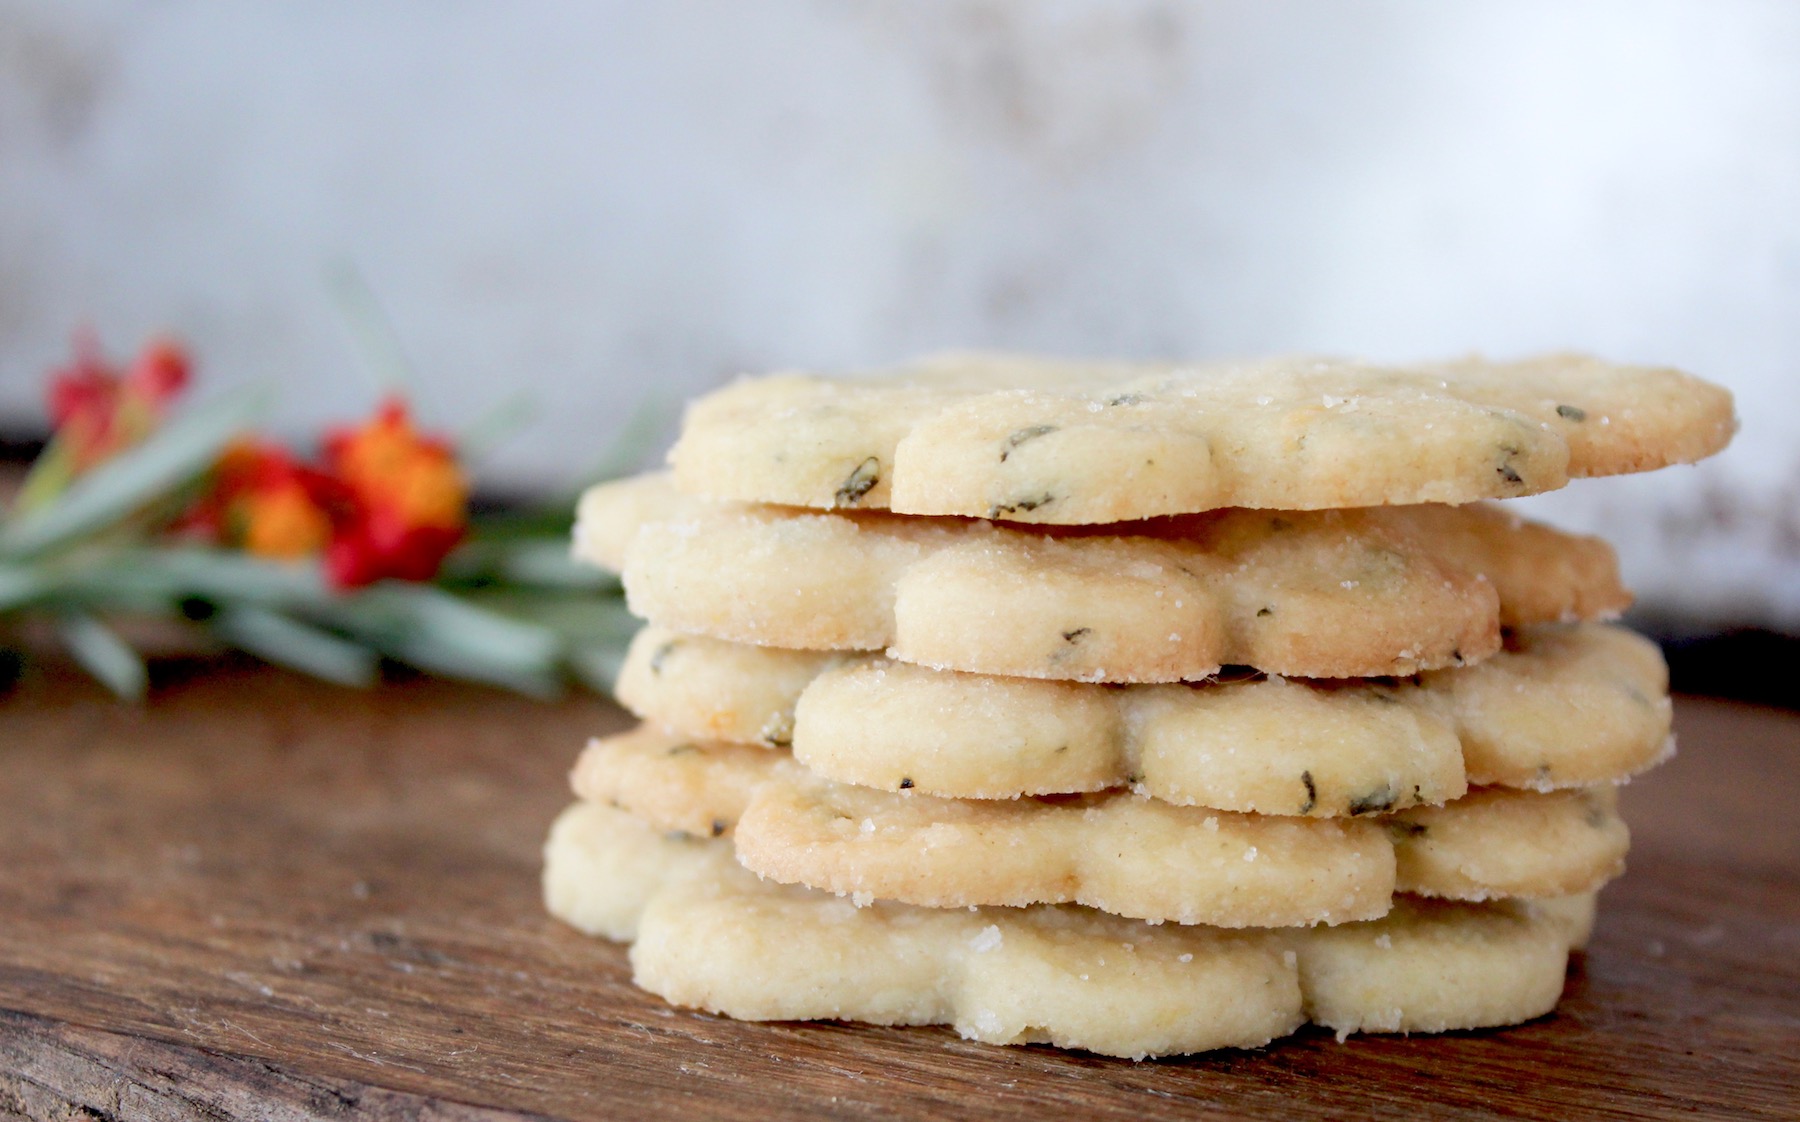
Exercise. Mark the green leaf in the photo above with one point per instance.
(551, 564)
(500, 421)
(104, 655)
(298, 646)
(533, 680)
(173, 455)
(529, 561)
(50, 473)
(551, 521)
(230, 576)
(372, 333)
(642, 431)
(434, 631)
(20, 585)
(577, 618)
(459, 625)
(597, 665)
(157, 578)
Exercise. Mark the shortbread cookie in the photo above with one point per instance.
(675, 783)
(1559, 707)
(711, 936)
(1325, 594)
(1146, 859)
(1033, 440)
(1430, 966)
(712, 689)
(1577, 706)
(1497, 843)
(1575, 915)
(1114, 851)
(602, 866)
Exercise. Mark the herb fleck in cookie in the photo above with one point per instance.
(1495, 843)
(1149, 860)
(716, 690)
(1325, 594)
(1033, 440)
(1114, 851)
(711, 936)
(677, 784)
(1561, 706)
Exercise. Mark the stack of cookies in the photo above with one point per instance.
(1139, 709)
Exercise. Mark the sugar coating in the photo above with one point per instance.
(678, 784)
(711, 936)
(1057, 442)
(1166, 601)
(601, 866)
(1114, 851)
(1561, 706)
(716, 690)
(1497, 843)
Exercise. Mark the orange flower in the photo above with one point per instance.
(283, 522)
(409, 501)
(388, 502)
(389, 466)
(265, 502)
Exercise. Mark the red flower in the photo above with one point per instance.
(267, 503)
(409, 500)
(376, 546)
(83, 391)
(388, 502)
(159, 373)
(98, 412)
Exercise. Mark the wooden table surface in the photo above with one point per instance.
(258, 897)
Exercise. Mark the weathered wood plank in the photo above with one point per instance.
(57, 1071)
(256, 873)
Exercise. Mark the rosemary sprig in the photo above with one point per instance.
(508, 607)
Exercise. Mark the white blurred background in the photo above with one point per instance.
(601, 201)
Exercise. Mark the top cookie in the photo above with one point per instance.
(1071, 443)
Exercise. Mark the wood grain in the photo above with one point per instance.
(53, 1070)
(259, 897)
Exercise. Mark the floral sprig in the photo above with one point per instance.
(330, 563)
